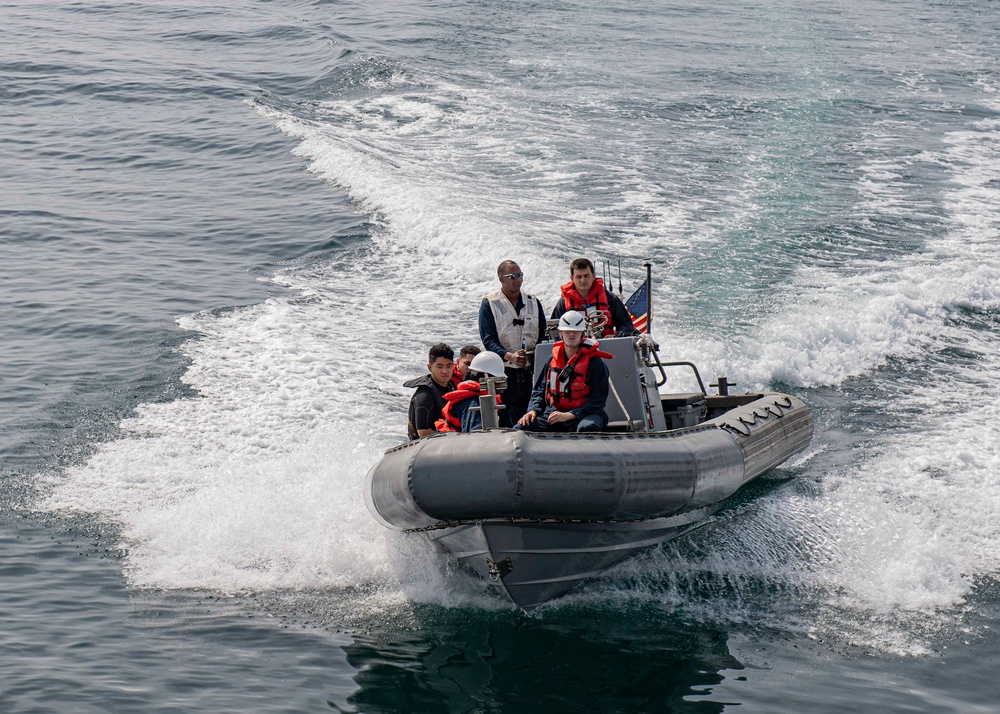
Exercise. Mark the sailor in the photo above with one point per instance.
(428, 401)
(456, 415)
(587, 294)
(465, 356)
(572, 390)
(511, 323)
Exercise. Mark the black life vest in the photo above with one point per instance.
(424, 382)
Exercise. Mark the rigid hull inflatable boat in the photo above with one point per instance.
(537, 513)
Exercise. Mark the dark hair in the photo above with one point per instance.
(440, 350)
(502, 268)
(469, 350)
(580, 264)
(475, 376)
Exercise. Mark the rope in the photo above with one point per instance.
(614, 391)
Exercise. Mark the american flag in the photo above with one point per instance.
(638, 307)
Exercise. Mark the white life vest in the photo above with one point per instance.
(509, 333)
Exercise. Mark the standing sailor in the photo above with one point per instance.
(587, 294)
(511, 323)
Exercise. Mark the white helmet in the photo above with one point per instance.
(488, 363)
(573, 321)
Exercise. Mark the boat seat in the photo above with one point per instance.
(626, 426)
(682, 399)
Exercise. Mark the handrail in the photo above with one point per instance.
(694, 369)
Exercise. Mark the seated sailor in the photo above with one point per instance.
(572, 390)
(587, 294)
(465, 356)
(428, 401)
(457, 415)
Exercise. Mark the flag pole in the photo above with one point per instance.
(649, 296)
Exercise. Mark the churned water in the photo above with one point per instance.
(228, 233)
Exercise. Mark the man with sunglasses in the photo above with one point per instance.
(511, 323)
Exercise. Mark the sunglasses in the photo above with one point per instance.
(513, 276)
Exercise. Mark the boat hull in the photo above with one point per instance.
(534, 563)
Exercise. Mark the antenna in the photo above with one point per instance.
(649, 296)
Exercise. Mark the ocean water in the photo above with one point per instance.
(229, 231)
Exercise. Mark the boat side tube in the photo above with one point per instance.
(507, 474)
(768, 430)
(513, 474)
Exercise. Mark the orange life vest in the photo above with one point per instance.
(597, 300)
(448, 420)
(573, 392)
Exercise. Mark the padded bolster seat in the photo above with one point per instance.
(685, 399)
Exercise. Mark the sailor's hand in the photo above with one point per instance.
(517, 359)
(559, 417)
(527, 418)
(646, 341)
